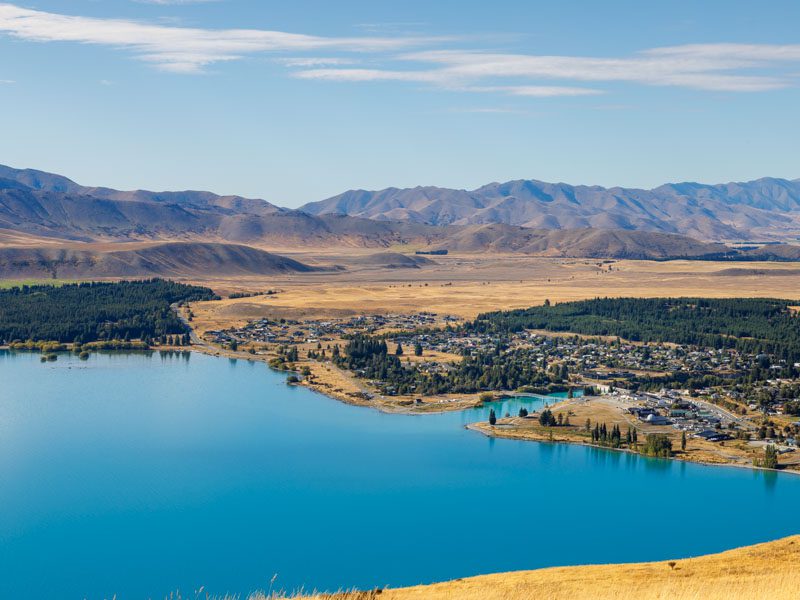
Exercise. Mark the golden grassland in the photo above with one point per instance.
(765, 571)
(467, 285)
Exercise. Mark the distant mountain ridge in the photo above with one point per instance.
(43, 204)
(766, 208)
(64, 215)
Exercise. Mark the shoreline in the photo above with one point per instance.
(489, 431)
(322, 387)
(480, 427)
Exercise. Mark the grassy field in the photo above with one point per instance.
(467, 285)
(10, 283)
(765, 571)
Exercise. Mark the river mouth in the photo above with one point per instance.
(137, 475)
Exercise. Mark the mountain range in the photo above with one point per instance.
(64, 225)
(763, 209)
(43, 204)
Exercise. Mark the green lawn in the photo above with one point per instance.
(10, 283)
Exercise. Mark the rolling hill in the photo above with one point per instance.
(581, 243)
(766, 208)
(755, 572)
(176, 259)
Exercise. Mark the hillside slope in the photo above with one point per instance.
(392, 260)
(762, 572)
(179, 259)
(583, 243)
(767, 207)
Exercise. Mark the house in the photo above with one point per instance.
(654, 419)
(711, 435)
(641, 413)
(681, 413)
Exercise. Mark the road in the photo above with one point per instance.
(193, 337)
(723, 413)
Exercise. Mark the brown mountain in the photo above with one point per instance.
(765, 208)
(37, 205)
(76, 215)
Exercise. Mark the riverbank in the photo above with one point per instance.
(764, 571)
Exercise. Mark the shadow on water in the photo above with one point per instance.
(770, 479)
(166, 355)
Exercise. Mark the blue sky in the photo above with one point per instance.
(296, 101)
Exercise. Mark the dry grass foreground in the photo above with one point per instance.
(765, 571)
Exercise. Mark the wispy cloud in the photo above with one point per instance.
(442, 79)
(490, 110)
(709, 67)
(7, 81)
(180, 49)
(175, 2)
(393, 57)
(315, 61)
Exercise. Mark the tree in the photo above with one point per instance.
(523, 412)
(417, 349)
(683, 441)
(770, 460)
(657, 444)
(546, 418)
(492, 417)
(399, 350)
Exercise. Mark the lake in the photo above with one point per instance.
(137, 475)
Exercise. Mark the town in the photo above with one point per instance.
(425, 361)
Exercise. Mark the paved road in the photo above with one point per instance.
(746, 423)
(195, 339)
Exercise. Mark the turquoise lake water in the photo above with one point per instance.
(136, 475)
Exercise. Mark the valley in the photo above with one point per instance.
(399, 300)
